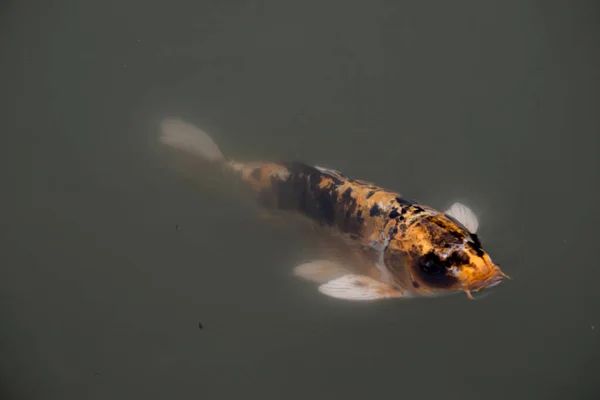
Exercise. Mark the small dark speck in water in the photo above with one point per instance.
(97, 373)
(200, 325)
(176, 227)
(593, 327)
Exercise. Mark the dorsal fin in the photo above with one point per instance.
(331, 172)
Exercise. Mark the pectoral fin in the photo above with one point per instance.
(464, 215)
(320, 271)
(359, 288)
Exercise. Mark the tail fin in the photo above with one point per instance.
(190, 139)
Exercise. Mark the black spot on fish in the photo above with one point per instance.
(415, 284)
(359, 216)
(404, 202)
(302, 192)
(299, 168)
(457, 258)
(347, 195)
(370, 194)
(375, 211)
(441, 235)
(476, 245)
(392, 231)
(336, 181)
(326, 212)
(394, 213)
(256, 173)
(352, 222)
(417, 209)
(449, 237)
(403, 210)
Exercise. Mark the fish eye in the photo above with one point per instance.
(431, 268)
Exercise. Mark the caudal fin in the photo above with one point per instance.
(186, 137)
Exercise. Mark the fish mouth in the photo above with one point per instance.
(494, 280)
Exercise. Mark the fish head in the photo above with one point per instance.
(435, 255)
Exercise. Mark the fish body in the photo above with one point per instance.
(402, 248)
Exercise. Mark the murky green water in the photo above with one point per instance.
(109, 261)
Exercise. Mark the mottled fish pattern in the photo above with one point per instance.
(421, 251)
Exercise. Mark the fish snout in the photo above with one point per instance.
(489, 280)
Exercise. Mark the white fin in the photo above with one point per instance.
(464, 215)
(320, 271)
(186, 137)
(358, 288)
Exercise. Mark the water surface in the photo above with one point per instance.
(110, 261)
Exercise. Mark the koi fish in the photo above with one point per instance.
(400, 248)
